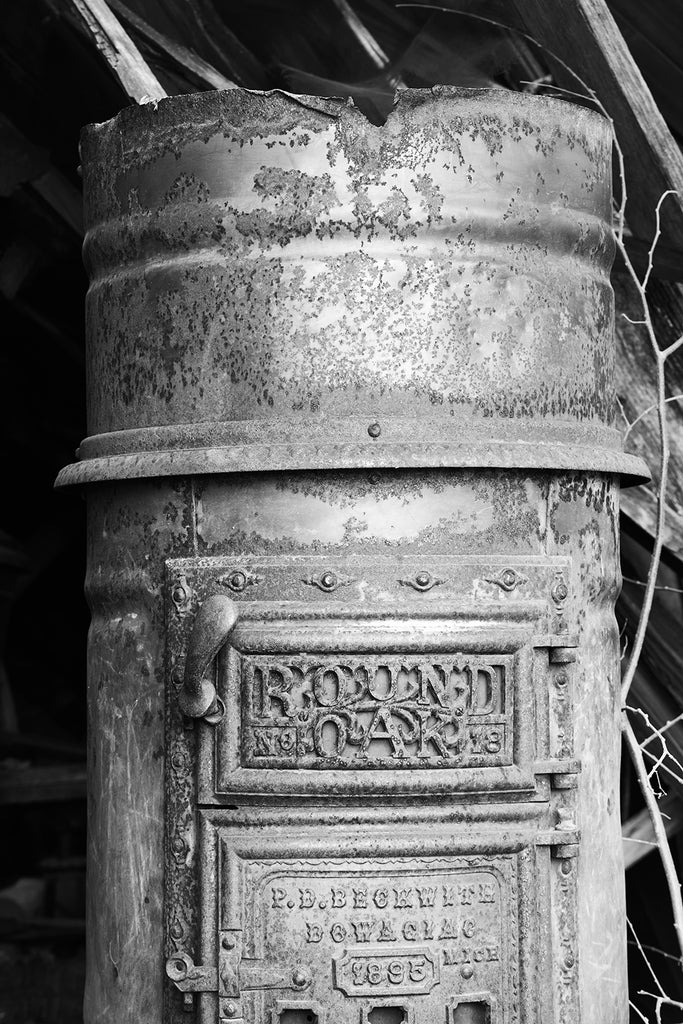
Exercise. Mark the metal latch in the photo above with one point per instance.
(190, 978)
(234, 973)
(214, 622)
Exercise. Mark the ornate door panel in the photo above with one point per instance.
(403, 734)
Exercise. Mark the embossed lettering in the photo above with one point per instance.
(264, 743)
(433, 685)
(338, 897)
(383, 727)
(487, 892)
(386, 931)
(363, 930)
(279, 897)
(314, 933)
(381, 898)
(338, 932)
(483, 698)
(329, 685)
(360, 898)
(403, 898)
(360, 973)
(321, 736)
(361, 712)
(466, 894)
(452, 928)
(434, 733)
(418, 969)
(449, 929)
(456, 956)
(276, 684)
(426, 895)
(306, 898)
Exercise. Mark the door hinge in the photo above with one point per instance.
(564, 838)
(563, 774)
(561, 647)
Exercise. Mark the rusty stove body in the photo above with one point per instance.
(353, 556)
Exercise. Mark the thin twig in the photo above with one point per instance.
(650, 408)
(644, 956)
(660, 586)
(664, 451)
(659, 829)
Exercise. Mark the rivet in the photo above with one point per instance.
(467, 971)
(238, 580)
(230, 1009)
(422, 579)
(560, 591)
(176, 930)
(178, 760)
(228, 942)
(561, 679)
(509, 577)
(374, 430)
(328, 580)
(179, 595)
(566, 868)
(300, 978)
(569, 961)
(178, 845)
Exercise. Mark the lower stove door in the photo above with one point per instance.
(424, 917)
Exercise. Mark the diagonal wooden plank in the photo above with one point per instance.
(186, 60)
(122, 55)
(584, 34)
(638, 834)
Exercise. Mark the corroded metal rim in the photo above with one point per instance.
(358, 443)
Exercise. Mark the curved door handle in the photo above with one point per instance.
(214, 623)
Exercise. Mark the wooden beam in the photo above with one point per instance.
(638, 835)
(122, 55)
(27, 164)
(585, 36)
(667, 263)
(186, 60)
(44, 784)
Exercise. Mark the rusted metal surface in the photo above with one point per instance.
(355, 715)
(276, 283)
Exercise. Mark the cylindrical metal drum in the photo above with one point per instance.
(353, 489)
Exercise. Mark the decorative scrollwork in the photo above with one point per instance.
(508, 579)
(181, 594)
(423, 581)
(328, 581)
(239, 579)
(560, 590)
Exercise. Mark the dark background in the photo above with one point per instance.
(52, 81)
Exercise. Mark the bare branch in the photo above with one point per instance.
(660, 832)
